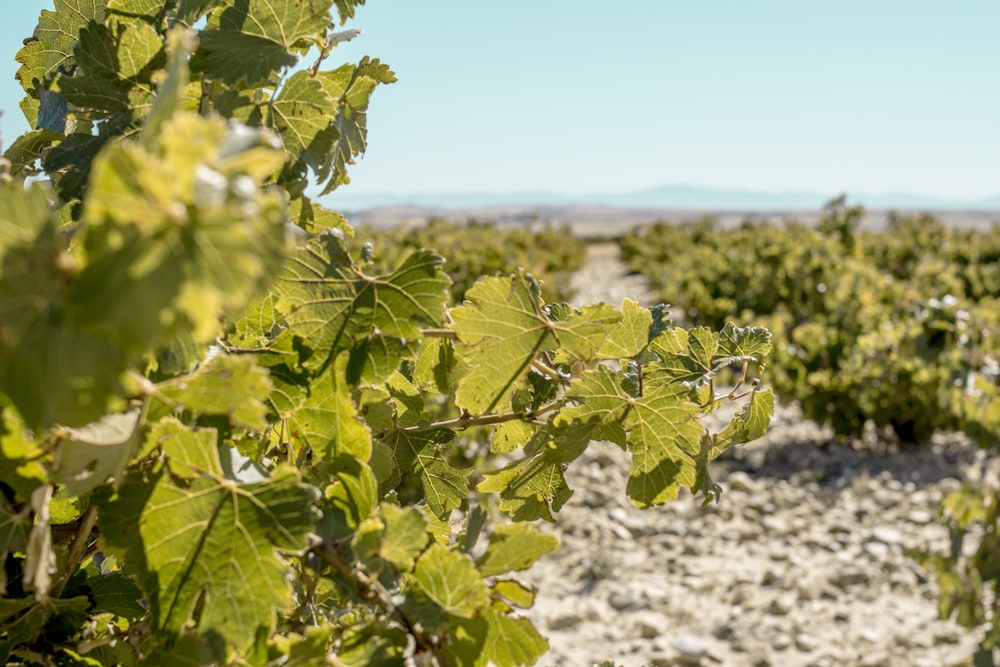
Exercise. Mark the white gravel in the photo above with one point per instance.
(801, 564)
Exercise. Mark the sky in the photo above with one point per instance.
(579, 96)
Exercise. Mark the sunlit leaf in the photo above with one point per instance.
(422, 452)
(330, 304)
(328, 419)
(515, 547)
(233, 386)
(662, 434)
(629, 336)
(204, 549)
(511, 642)
(89, 455)
(51, 47)
(503, 329)
(451, 580)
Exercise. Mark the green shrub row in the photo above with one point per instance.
(480, 248)
(898, 327)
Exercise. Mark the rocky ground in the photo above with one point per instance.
(802, 563)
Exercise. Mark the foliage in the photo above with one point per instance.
(968, 575)
(221, 438)
(478, 248)
(897, 328)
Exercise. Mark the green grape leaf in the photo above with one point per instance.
(23, 462)
(204, 547)
(330, 305)
(511, 642)
(192, 451)
(116, 594)
(452, 581)
(661, 320)
(24, 215)
(74, 155)
(147, 9)
(750, 422)
(51, 370)
(222, 54)
(351, 87)
(317, 293)
(375, 358)
(404, 536)
(367, 646)
(89, 455)
(628, 337)
(303, 114)
(258, 326)
(503, 328)
(14, 529)
(685, 356)
(233, 386)
(214, 263)
(515, 547)
(408, 403)
(37, 616)
(662, 434)
(532, 488)
(327, 421)
(421, 452)
(96, 84)
(740, 343)
(187, 11)
(282, 21)
(510, 435)
(22, 154)
(535, 487)
(376, 406)
(50, 49)
(515, 593)
(139, 46)
(181, 355)
(314, 218)
(464, 646)
(350, 499)
(583, 332)
(268, 30)
(384, 468)
(345, 9)
(435, 365)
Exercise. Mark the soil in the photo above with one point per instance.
(802, 563)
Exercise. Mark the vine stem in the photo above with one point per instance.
(448, 334)
(76, 551)
(367, 588)
(548, 371)
(468, 421)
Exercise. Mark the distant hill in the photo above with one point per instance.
(612, 221)
(674, 197)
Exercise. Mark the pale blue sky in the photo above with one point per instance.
(574, 96)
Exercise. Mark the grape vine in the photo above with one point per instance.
(226, 440)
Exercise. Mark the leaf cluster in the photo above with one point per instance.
(225, 440)
(968, 573)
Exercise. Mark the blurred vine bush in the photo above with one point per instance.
(220, 434)
(898, 327)
(481, 248)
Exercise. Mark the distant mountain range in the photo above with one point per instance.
(686, 197)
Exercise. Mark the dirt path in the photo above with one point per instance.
(801, 564)
(604, 277)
